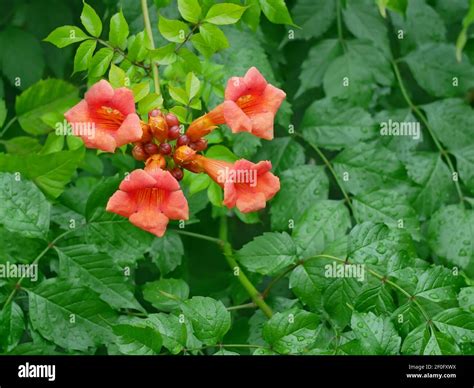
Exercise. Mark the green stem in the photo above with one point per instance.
(242, 306)
(149, 31)
(331, 170)
(124, 54)
(35, 261)
(200, 236)
(186, 38)
(423, 119)
(8, 125)
(246, 283)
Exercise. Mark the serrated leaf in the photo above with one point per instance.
(118, 31)
(166, 294)
(69, 315)
(173, 332)
(99, 272)
(314, 17)
(339, 298)
(376, 334)
(83, 55)
(24, 208)
(137, 340)
(291, 332)
(100, 62)
(283, 152)
(308, 183)
(12, 326)
(276, 11)
(322, 223)
(268, 254)
(190, 10)
(224, 13)
(173, 30)
(209, 317)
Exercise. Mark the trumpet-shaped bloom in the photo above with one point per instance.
(250, 106)
(105, 118)
(247, 186)
(149, 199)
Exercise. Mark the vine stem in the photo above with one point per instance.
(149, 31)
(423, 119)
(200, 236)
(8, 125)
(124, 54)
(246, 283)
(331, 170)
(186, 38)
(35, 261)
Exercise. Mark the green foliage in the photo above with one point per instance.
(367, 248)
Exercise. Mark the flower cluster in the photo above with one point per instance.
(150, 197)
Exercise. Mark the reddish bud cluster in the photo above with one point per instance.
(161, 139)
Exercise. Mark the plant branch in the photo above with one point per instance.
(149, 32)
(124, 54)
(186, 38)
(276, 279)
(331, 169)
(423, 119)
(35, 261)
(200, 236)
(8, 125)
(246, 283)
(250, 305)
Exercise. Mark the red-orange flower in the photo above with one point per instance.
(250, 106)
(149, 199)
(247, 186)
(105, 118)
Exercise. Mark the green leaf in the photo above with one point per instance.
(83, 55)
(165, 55)
(291, 332)
(209, 317)
(212, 37)
(307, 183)
(221, 152)
(137, 340)
(388, 207)
(383, 248)
(24, 208)
(117, 76)
(141, 90)
(376, 299)
(3, 112)
(173, 30)
(21, 145)
(118, 31)
(192, 86)
(306, 282)
(252, 14)
(100, 62)
(245, 145)
(466, 298)
(50, 172)
(434, 180)
(457, 323)
(428, 342)
(66, 35)
(268, 254)
(339, 298)
(335, 124)
(224, 13)
(366, 167)
(166, 294)
(377, 335)
(12, 326)
(314, 17)
(436, 70)
(215, 195)
(315, 65)
(364, 22)
(91, 21)
(190, 10)
(173, 332)
(276, 11)
(451, 235)
(69, 315)
(283, 152)
(137, 47)
(46, 96)
(100, 273)
(322, 223)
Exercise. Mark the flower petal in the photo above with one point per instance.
(101, 140)
(136, 180)
(236, 87)
(151, 221)
(235, 118)
(230, 195)
(130, 130)
(99, 94)
(249, 201)
(79, 113)
(175, 206)
(272, 98)
(268, 184)
(255, 81)
(164, 180)
(121, 203)
(123, 101)
(262, 125)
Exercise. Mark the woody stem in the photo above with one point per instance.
(246, 283)
(149, 32)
